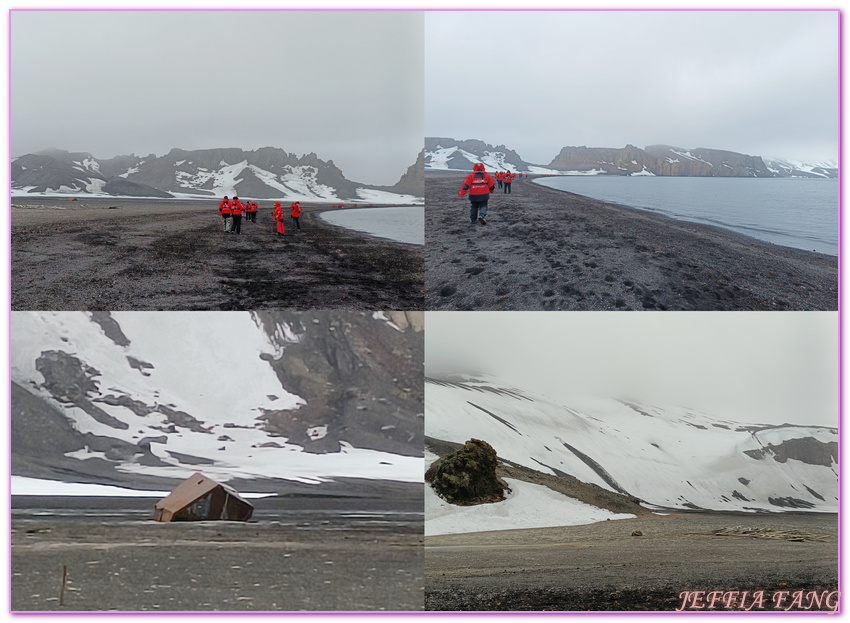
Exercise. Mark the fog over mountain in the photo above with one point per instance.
(345, 85)
(751, 367)
(757, 82)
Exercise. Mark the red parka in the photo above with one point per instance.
(224, 207)
(296, 209)
(477, 183)
(278, 217)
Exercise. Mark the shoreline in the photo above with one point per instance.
(548, 249)
(149, 255)
(718, 228)
(366, 233)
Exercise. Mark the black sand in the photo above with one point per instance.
(544, 249)
(297, 554)
(133, 254)
(603, 567)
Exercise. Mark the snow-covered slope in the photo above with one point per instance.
(800, 168)
(448, 154)
(526, 506)
(463, 160)
(165, 394)
(667, 456)
(266, 173)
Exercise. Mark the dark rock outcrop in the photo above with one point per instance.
(413, 181)
(361, 379)
(805, 449)
(468, 476)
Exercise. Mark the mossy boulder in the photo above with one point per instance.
(468, 476)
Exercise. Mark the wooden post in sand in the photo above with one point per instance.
(62, 588)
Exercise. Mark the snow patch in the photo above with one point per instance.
(527, 506)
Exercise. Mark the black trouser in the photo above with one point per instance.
(474, 208)
(252, 216)
(507, 188)
(237, 223)
(295, 218)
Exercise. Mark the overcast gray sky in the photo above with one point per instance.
(345, 85)
(759, 367)
(757, 82)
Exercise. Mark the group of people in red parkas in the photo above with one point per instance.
(504, 179)
(480, 186)
(294, 212)
(231, 211)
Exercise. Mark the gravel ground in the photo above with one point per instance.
(603, 567)
(305, 555)
(544, 249)
(132, 254)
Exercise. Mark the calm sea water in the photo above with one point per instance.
(404, 224)
(794, 212)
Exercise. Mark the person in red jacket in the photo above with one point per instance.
(236, 211)
(295, 211)
(278, 217)
(224, 212)
(251, 211)
(499, 178)
(479, 185)
(509, 177)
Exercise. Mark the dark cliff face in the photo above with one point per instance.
(413, 181)
(360, 378)
(804, 449)
(624, 161)
(662, 160)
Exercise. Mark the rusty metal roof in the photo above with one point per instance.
(230, 505)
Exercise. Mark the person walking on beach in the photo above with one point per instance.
(236, 210)
(499, 179)
(224, 213)
(509, 177)
(480, 185)
(295, 211)
(251, 211)
(278, 217)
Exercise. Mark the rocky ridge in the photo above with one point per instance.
(266, 173)
(661, 160)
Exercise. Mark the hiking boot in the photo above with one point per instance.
(481, 220)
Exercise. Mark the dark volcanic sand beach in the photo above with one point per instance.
(544, 249)
(149, 254)
(602, 567)
(299, 554)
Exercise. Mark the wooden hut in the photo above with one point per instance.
(199, 498)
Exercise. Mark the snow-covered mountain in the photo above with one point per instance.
(448, 154)
(668, 457)
(266, 173)
(800, 168)
(141, 399)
